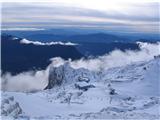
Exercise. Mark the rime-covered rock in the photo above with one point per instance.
(85, 79)
(66, 74)
(83, 86)
(56, 76)
(10, 107)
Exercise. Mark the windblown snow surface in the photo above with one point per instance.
(129, 91)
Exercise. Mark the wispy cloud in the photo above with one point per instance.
(25, 41)
(87, 14)
(22, 29)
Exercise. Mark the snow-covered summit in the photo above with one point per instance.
(132, 73)
(126, 92)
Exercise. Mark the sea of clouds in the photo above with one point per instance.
(37, 80)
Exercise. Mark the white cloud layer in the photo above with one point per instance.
(30, 81)
(25, 41)
(118, 58)
(25, 82)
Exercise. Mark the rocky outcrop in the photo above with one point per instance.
(84, 87)
(56, 76)
(66, 74)
(85, 79)
(83, 83)
(10, 107)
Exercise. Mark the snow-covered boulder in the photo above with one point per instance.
(83, 86)
(85, 79)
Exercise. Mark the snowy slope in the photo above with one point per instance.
(142, 77)
(136, 94)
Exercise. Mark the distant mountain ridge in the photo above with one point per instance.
(92, 37)
(48, 36)
(98, 49)
(96, 37)
(80, 35)
(17, 57)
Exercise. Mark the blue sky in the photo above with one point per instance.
(123, 16)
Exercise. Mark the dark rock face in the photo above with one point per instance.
(158, 56)
(84, 88)
(56, 76)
